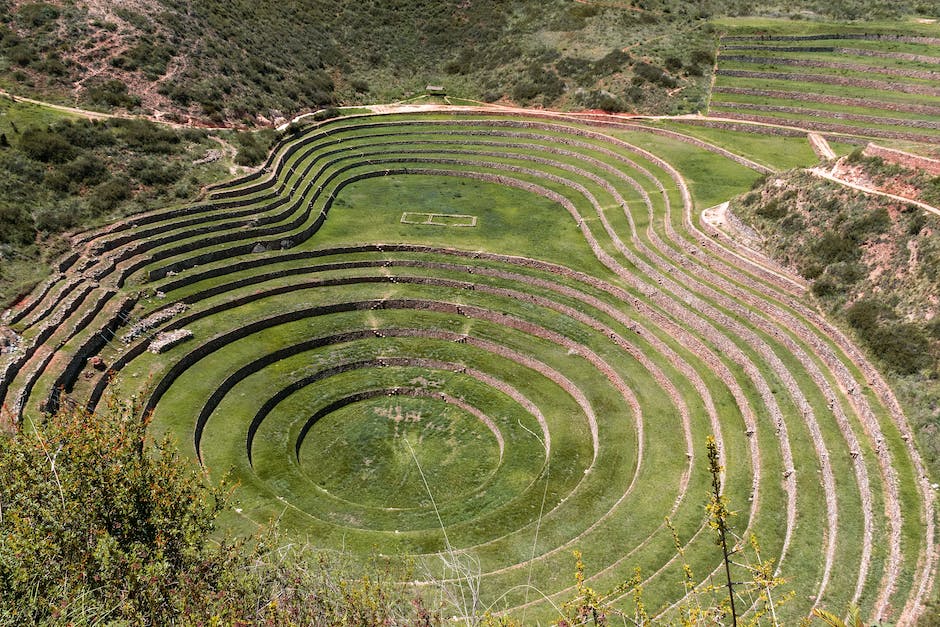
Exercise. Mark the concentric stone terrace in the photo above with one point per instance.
(499, 337)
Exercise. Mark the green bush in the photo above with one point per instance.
(107, 195)
(865, 315)
(653, 74)
(111, 93)
(902, 346)
(253, 147)
(146, 136)
(37, 14)
(152, 171)
(46, 146)
(773, 209)
(834, 247)
(85, 534)
(85, 169)
(101, 524)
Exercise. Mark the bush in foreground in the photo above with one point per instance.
(101, 524)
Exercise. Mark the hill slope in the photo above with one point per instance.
(246, 61)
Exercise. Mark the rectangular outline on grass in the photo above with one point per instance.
(429, 218)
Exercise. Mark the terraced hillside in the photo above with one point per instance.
(859, 82)
(495, 339)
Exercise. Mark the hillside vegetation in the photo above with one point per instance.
(250, 62)
(59, 172)
(874, 265)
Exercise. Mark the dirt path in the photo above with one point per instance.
(821, 147)
(85, 113)
(868, 190)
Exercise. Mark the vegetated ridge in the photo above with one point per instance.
(873, 263)
(246, 62)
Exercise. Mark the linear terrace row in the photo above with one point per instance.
(792, 394)
(882, 87)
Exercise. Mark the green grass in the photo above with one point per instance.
(781, 26)
(16, 116)
(781, 153)
(353, 473)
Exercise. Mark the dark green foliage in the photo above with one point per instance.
(902, 346)
(326, 114)
(148, 57)
(111, 93)
(46, 146)
(145, 136)
(49, 218)
(37, 14)
(21, 54)
(107, 195)
(701, 56)
(611, 62)
(15, 223)
(933, 327)
(930, 193)
(541, 82)
(772, 210)
(253, 147)
(85, 169)
(154, 171)
(603, 100)
(101, 523)
(865, 315)
(52, 65)
(576, 68)
(835, 247)
(916, 222)
(647, 72)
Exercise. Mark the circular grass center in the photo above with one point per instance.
(375, 452)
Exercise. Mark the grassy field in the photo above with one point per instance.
(498, 338)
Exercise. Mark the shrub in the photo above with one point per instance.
(701, 56)
(151, 171)
(107, 195)
(901, 346)
(56, 218)
(772, 209)
(85, 168)
(21, 54)
(654, 75)
(834, 247)
(37, 14)
(90, 534)
(864, 315)
(253, 147)
(112, 93)
(146, 136)
(575, 67)
(102, 524)
(46, 146)
(825, 287)
(603, 100)
(15, 223)
(611, 62)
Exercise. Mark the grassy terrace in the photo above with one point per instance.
(512, 387)
(878, 81)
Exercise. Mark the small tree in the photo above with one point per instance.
(97, 521)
